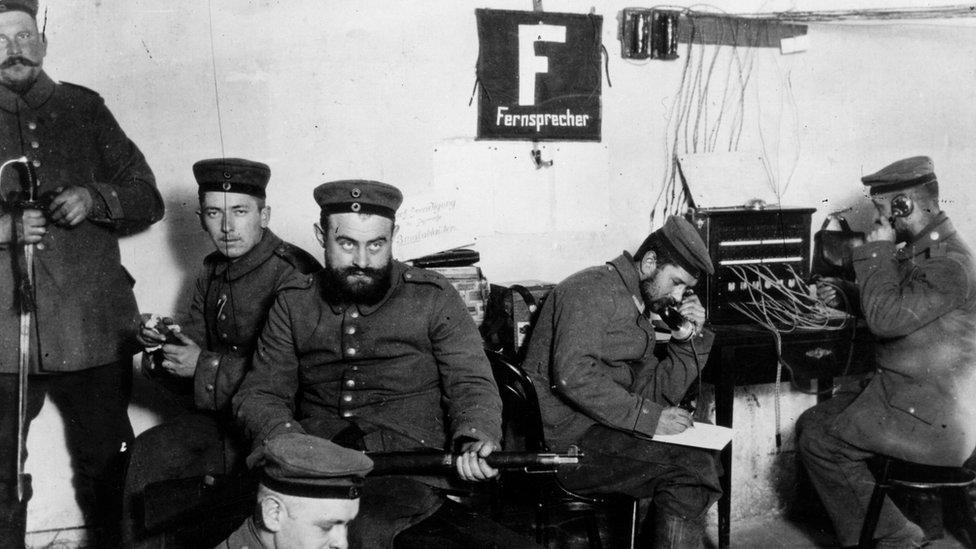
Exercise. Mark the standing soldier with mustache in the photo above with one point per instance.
(93, 183)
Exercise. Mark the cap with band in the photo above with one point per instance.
(358, 196)
(307, 466)
(232, 175)
(901, 175)
(684, 243)
(28, 6)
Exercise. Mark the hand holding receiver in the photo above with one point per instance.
(883, 230)
(686, 320)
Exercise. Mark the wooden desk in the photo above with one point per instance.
(746, 355)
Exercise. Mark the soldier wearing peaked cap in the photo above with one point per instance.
(591, 358)
(205, 362)
(94, 186)
(920, 302)
(377, 355)
(307, 497)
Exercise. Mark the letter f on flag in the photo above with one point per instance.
(531, 64)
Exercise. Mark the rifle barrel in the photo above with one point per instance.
(401, 462)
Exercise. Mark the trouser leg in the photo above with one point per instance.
(13, 512)
(682, 482)
(840, 474)
(94, 404)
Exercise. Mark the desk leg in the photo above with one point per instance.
(724, 399)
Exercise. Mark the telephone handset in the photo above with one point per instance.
(672, 318)
(681, 328)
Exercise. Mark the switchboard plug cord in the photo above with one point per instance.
(780, 309)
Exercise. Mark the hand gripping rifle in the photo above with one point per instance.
(24, 259)
(385, 463)
(175, 503)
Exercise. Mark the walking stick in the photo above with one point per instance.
(27, 307)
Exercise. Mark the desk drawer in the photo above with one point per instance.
(754, 362)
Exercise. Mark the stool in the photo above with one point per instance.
(952, 481)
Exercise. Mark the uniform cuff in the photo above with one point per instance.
(873, 250)
(105, 201)
(647, 417)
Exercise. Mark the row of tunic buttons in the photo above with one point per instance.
(349, 384)
(34, 145)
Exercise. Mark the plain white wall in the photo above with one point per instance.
(327, 90)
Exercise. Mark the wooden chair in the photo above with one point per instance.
(523, 430)
(952, 482)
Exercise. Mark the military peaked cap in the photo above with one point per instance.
(358, 196)
(901, 175)
(686, 245)
(29, 6)
(232, 175)
(307, 466)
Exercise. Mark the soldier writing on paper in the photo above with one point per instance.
(591, 358)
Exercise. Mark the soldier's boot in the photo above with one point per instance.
(13, 515)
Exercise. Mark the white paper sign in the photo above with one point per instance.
(431, 223)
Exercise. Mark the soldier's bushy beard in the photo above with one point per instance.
(366, 291)
(648, 288)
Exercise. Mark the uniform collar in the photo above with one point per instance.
(248, 262)
(939, 230)
(397, 274)
(36, 96)
(630, 276)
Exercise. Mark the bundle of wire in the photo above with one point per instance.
(783, 308)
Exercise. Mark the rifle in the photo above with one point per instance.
(169, 503)
(385, 463)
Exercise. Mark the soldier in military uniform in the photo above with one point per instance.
(94, 185)
(592, 360)
(376, 355)
(212, 352)
(307, 497)
(920, 302)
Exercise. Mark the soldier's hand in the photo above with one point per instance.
(149, 336)
(883, 231)
(471, 464)
(34, 226)
(828, 292)
(71, 206)
(673, 421)
(181, 359)
(691, 308)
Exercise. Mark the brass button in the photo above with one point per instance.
(210, 387)
(223, 317)
(350, 383)
(354, 314)
(346, 414)
(351, 351)
(35, 145)
(32, 125)
(347, 398)
(40, 245)
(36, 163)
(351, 330)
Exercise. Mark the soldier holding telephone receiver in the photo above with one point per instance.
(920, 302)
(601, 387)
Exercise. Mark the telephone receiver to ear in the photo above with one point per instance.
(672, 317)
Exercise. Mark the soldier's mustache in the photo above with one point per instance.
(17, 59)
